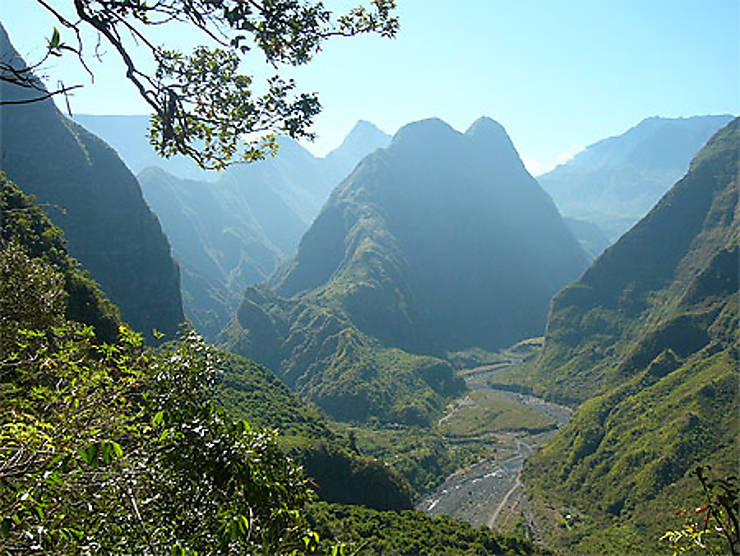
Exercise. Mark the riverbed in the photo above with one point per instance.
(490, 492)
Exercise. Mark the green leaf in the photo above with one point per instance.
(117, 450)
(54, 43)
(158, 418)
(90, 454)
(106, 452)
(5, 527)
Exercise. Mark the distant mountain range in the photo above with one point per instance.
(615, 182)
(440, 241)
(303, 180)
(89, 193)
(646, 341)
(233, 228)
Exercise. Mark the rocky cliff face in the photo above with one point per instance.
(94, 198)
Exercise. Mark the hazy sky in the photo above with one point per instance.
(559, 75)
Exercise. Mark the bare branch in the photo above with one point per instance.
(47, 94)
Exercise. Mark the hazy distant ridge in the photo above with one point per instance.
(616, 181)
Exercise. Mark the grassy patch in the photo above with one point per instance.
(484, 411)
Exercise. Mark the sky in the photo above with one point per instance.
(557, 74)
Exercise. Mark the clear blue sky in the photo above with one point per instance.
(559, 75)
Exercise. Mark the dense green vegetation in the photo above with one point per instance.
(647, 340)
(328, 361)
(485, 411)
(25, 223)
(615, 182)
(338, 472)
(409, 532)
(89, 193)
(421, 454)
(115, 447)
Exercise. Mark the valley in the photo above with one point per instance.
(511, 425)
(413, 343)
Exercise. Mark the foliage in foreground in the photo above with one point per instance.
(202, 105)
(408, 532)
(713, 527)
(117, 448)
(28, 225)
(339, 473)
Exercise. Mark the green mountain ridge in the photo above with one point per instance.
(253, 392)
(23, 222)
(89, 193)
(247, 390)
(646, 341)
(61, 393)
(395, 269)
(394, 243)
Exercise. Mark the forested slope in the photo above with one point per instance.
(646, 341)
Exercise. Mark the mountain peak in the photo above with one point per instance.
(491, 135)
(363, 126)
(484, 124)
(427, 132)
(363, 137)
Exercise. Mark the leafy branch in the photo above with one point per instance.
(202, 105)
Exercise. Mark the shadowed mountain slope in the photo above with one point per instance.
(589, 236)
(225, 235)
(440, 241)
(233, 228)
(90, 194)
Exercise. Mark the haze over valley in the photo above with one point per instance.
(407, 345)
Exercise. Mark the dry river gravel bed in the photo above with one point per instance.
(490, 492)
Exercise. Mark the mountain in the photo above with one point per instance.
(339, 474)
(89, 193)
(363, 139)
(233, 228)
(225, 235)
(301, 179)
(24, 223)
(589, 236)
(438, 242)
(442, 241)
(615, 182)
(236, 229)
(128, 137)
(646, 341)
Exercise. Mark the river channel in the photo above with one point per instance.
(490, 492)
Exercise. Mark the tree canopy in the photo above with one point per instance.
(203, 105)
